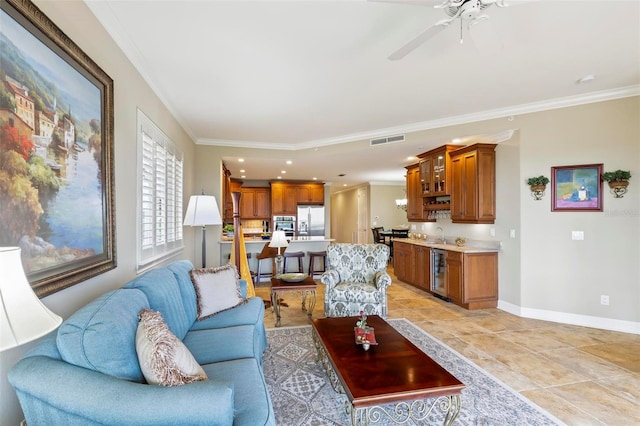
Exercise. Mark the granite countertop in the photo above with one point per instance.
(491, 246)
(292, 240)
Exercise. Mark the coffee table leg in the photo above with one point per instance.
(324, 360)
(276, 306)
(403, 411)
(453, 411)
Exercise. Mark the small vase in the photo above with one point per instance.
(366, 346)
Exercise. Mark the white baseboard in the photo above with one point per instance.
(573, 319)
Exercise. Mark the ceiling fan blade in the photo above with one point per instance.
(416, 42)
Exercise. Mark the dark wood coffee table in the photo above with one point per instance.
(306, 289)
(394, 371)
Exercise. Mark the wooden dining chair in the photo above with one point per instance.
(377, 238)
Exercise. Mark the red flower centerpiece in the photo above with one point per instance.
(364, 334)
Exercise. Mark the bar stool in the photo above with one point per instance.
(296, 254)
(312, 257)
(267, 253)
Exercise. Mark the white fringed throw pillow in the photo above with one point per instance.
(217, 289)
(164, 359)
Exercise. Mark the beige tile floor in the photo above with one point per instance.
(583, 376)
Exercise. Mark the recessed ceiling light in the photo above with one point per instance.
(344, 184)
(242, 170)
(315, 178)
(586, 79)
(289, 162)
(456, 140)
(279, 177)
(241, 160)
(411, 158)
(283, 171)
(243, 177)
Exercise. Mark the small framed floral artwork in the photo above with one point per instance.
(576, 188)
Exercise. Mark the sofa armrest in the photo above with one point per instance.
(382, 280)
(53, 389)
(330, 278)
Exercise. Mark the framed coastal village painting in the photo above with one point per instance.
(56, 152)
(576, 188)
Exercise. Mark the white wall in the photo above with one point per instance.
(130, 92)
(565, 276)
(382, 208)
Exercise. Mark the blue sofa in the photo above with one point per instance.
(88, 372)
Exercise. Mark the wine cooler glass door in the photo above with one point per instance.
(438, 285)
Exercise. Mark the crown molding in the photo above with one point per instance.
(549, 104)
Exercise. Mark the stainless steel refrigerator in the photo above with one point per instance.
(310, 221)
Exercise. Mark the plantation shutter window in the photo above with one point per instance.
(160, 168)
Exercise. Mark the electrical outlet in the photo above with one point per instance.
(604, 300)
(577, 235)
(492, 232)
(512, 233)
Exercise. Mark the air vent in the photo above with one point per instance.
(388, 139)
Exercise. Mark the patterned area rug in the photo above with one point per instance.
(303, 396)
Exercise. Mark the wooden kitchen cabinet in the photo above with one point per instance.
(472, 279)
(453, 276)
(255, 203)
(285, 196)
(414, 193)
(473, 178)
(284, 199)
(411, 264)
(311, 193)
(230, 185)
(403, 261)
(435, 171)
(422, 268)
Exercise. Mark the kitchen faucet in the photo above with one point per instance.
(442, 235)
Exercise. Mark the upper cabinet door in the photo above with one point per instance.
(439, 178)
(425, 177)
(473, 192)
(414, 193)
(262, 206)
(255, 203)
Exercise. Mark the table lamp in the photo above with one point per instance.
(279, 240)
(23, 317)
(202, 211)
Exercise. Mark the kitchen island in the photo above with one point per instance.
(296, 244)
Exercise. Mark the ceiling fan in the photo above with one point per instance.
(469, 11)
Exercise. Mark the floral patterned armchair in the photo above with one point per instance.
(356, 280)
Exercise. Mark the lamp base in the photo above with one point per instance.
(279, 264)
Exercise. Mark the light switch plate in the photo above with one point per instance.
(577, 235)
(512, 233)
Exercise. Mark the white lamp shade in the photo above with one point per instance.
(23, 317)
(278, 239)
(202, 210)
